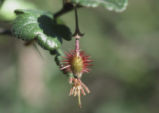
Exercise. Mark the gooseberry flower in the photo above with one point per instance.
(77, 63)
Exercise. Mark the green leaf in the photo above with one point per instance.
(116, 5)
(41, 27)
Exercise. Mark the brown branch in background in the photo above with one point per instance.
(5, 28)
(5, 31)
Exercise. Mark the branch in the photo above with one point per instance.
(5, 31)
(67, 7)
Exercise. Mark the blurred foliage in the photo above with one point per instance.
(124, 78)
(1, 2)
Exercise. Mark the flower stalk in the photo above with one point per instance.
(75, 64)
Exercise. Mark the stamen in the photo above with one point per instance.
(78, 88)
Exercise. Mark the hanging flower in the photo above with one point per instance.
(77, 63)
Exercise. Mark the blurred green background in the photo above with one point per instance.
(125, 73)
